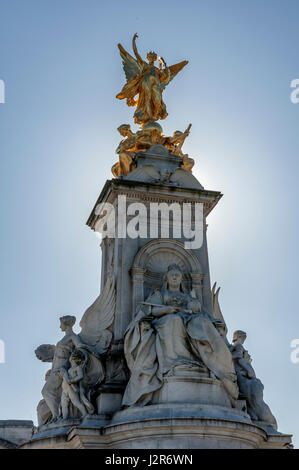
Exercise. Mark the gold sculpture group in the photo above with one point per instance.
(148, 82)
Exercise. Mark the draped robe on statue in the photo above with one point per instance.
(148, 85)
(155, 346)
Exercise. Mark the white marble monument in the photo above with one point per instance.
(152, 366)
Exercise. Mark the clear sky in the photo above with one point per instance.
(61, 67)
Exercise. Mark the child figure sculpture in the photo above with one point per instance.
(72, 390)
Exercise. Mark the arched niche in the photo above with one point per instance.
(152, 261)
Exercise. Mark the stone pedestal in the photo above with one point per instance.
(162, 427)
(14, 433)
(205, 390)
(109, 402)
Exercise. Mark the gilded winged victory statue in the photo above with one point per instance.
(148, 82)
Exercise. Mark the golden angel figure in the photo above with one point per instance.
(148, 82)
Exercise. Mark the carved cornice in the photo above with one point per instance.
(149, 193)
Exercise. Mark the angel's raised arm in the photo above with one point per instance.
(139, 59)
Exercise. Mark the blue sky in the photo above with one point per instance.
(60, 64)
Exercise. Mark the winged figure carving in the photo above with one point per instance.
(148, 82)
(94, 323)
(86, 350)
(98, 318)
(216, 307)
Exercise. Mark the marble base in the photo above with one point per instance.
(109, 402)
(162, 427)
(203, 390)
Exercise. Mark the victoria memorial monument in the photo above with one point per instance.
(153, 365)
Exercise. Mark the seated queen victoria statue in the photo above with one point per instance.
(172, 335)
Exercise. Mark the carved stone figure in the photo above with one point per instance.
(61, 352)
(72, 385)
(77, 359)
(173, 335)
(251, 388)
(44, 414)
(148, 82)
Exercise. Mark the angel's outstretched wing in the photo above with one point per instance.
(216, 307)
(130, 65)
(176, 68)
(98, 318)
(45, 352)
